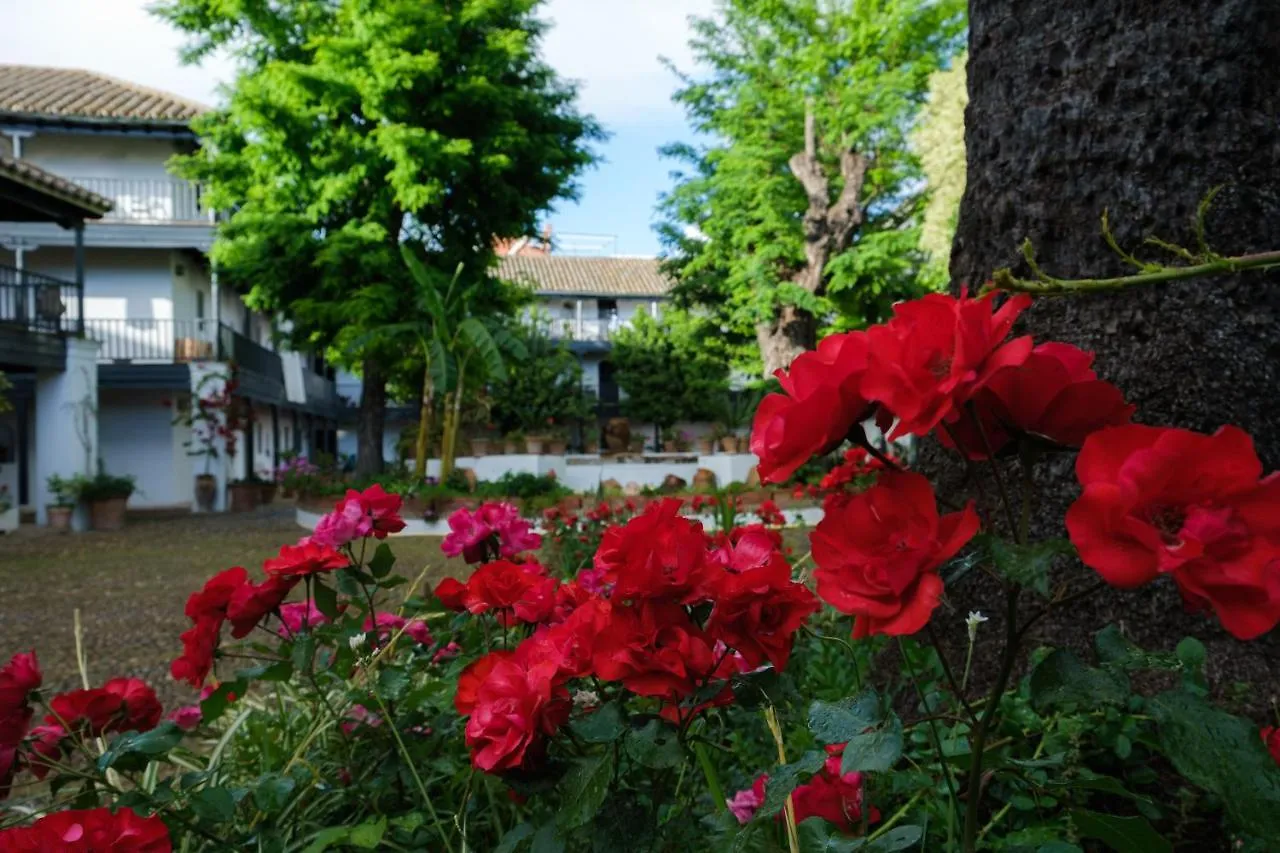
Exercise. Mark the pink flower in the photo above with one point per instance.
(388, 623)
(298, 615)
(447, 652)
(187, 717)
(743, 805)
(593, 581)
(494, 526)
(346, 523)
(360, 715)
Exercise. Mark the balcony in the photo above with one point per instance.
(148, 201)
(584, 330)
(33, 302)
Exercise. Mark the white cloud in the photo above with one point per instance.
(611, 46)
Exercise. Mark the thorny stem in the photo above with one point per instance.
(1012, 636)
(1045, 285)
(709, 771)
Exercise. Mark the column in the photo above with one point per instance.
(577, 314)
(66, 425)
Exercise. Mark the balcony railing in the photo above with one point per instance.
(318, 389)
(38, 302)
(585, 330)
(153, 341)
(150, 201)
(250, 355)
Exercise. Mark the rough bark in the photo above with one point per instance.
(1139, 107)
(828, 229)
(373, 415)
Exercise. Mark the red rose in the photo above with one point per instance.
(757, 613)
(1053, 394)
(198, 645)
(452, 594)
(383, 509)
(142, 710)
(936, 353)
(834, 797)
(517, 592)
(470, 679)
(91, 711)
(251, 603)
(570, 643)
(44, 745)
(89, 831)
(298, 561)
(821, 403)
(1271, 738)
(878, 553)
(20, 676)
(1171, 501)
(213, 597)
(517, 705)
(659, 553)
(654, 649)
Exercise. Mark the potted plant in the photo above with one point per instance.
(670, 440)
(479, 445)
(512, 442)
(106, 496)
(214, 419)
(244, 495)
(59, 512)
(706, 445)
(558, 442)
(637, 444)
(267, 489)
(535, 444)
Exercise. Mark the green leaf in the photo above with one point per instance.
(1114, 650)
(213, 804)
(655, 745)
(271, 794)
(760, 688)
(132, 751)
(871, 734)
(277, 671)
(392, 683)
(304, 649)
(216, 703)
(898, 838)
(383, 560)
(368, 835)
(1191, 654)
(1222, 753)
(1058, 847)
(816, 837)
(604, 726)
(547, 840)
(584, 788)
(326, 598)
(1063, 679)
(784, 779)
(1121, 834)
(326, 838)
(512, 840)
(1027, 565)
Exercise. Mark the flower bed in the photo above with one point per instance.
(633, 674)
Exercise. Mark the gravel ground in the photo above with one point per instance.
(130, 587)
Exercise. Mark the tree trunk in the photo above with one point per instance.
(373, 415)
(792, 331)
(1139, 108)
(426, 414)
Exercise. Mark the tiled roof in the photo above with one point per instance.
(586, 276)
(23, 172)
(71, 93)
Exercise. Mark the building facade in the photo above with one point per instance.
(150, 299)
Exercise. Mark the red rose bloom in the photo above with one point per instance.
(251, 603)
(213, 597)
(89, 831)
(470, 679)
(834, 797)
(1171, 501)
(1271, 738)
(91, 711)
(821, 403)
(198, 645)
(654, 649)
(659, 553)
(142, 710)
(878, 553)
(17, 680)
(936, 353)
(452, 594)
(299, 561)
(757, 613)
(517, 592)
(517, 705)
(383, 509)
(1053, 394)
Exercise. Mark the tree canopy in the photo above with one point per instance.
(671, 369)
(356, 125)
(939, 141)
(799, 204)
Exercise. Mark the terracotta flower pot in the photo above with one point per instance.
(107, 514)
(206, 492)
(267, 494)
(511, 448)
(637, 444)
(60, 518)
(243, 497)
(479, 447)
(557, 448)
(706, 447)
(729, 444)
(534, 445)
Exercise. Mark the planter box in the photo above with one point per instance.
(243, 497)
(107, 514)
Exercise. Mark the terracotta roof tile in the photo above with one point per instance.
(73, 93)
(33, 176)
(586, 276)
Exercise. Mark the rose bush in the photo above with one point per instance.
(630, 677)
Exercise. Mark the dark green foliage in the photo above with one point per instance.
(671, 369)
(544, 392)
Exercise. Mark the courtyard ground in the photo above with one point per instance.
(130, 587)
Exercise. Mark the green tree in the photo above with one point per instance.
(671, 369)
(546, 388)
(801, 206)
(356, 125)
(938, 139)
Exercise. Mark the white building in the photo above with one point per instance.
(150, 299)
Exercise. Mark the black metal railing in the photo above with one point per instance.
(38, 302)
(149, 200)
(161, 341)
(318, 389)
(248, 354)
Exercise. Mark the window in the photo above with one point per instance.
(199, 304)
(607, 309)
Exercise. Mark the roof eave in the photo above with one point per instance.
(113, 125)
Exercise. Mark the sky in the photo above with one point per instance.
(610, 46)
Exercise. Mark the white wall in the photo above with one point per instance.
(136, 437)
(84, 156)
(263, 442)
(118, 283)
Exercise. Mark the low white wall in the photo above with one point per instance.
(588, 472)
